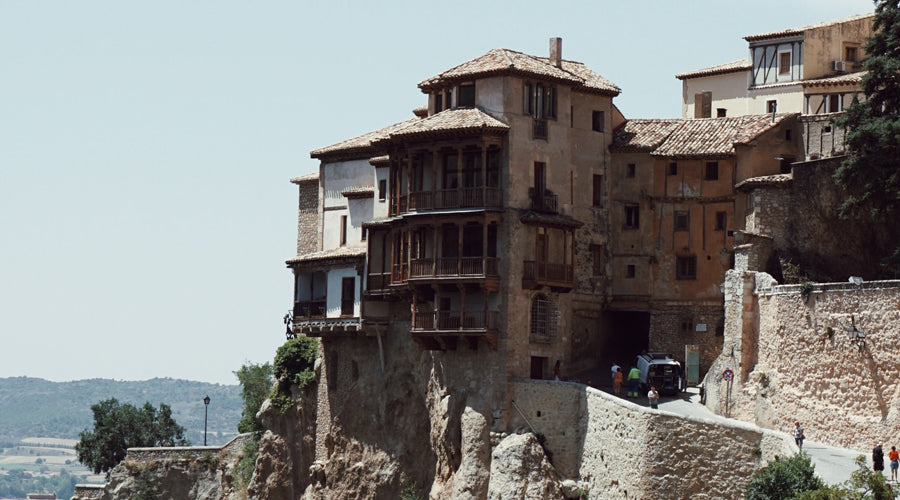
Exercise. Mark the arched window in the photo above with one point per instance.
(544, 318)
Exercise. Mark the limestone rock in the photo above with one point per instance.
(471, 479)
(520, 469)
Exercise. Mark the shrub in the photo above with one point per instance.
(784, 478)
(294, 362)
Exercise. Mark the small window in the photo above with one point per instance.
(721, 112)
(771, 106)
(682, 220)
(597, 259)
(712, 171)
(598, 190)
(851, 54)
(834, 103)
(721, 220)
(686, 268)
(672, 169)
(466, 97)
(598, 121)
(528, 99)
(343, 230)
(364, 234)
(632, 216)
(438, 102)
(630, 170)
(544, 319)
(348, 296)
(630, 271)
(687, 325)
(787, 134)
(784, 63)
(826, 129)
(382, 189)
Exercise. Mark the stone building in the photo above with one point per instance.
(812, 69)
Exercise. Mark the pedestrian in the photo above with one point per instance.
(617, 382)
(556, 376)
(798, 435)
(615, 368)
(634, 381)
(653, 397)
(894, 456)
(877, 458)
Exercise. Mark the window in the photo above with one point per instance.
(630, 271)
(721, 112)
(851, 53)
(382, 189)
(686, 268)
(466, 96)
(826, 129)
(364, 234)
(597, 263)
(687, 325)
(343, 230)
(632, 216)
(528, 99)
(598, 190)
(630, 170)
(787, 134)
(544, 318)
(438, 102)
(834, 103)
(682, 220)
(771, 106)
(672, 169)
(721, 221)
(348, 296)
(784, 63)
(598, 121)
(712, 171)
(540, 100)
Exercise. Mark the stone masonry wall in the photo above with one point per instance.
(674, 326)
(794, 359)
(308, 217)
(622, 450)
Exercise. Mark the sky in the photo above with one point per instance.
(146, 148)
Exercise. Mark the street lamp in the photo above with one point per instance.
(205, 413)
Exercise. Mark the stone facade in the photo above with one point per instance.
(622, 450)
(308, 227)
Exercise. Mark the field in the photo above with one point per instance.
(47, 455)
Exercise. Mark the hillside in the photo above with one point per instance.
(33, 407)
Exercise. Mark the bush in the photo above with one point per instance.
(784, 478)
(294, 362)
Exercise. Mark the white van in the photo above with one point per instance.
(661, 371)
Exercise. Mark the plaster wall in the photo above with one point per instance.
(729, 91)
(333, 297)
(336, 178)
(622, 450)
(826, 44)
(789, 99)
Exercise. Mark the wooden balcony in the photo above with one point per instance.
(440, 330)
(378, 283)
(451, 270)
(309, 320)
(536, 274)
(446, 199)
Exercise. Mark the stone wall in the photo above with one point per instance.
(794, 358)
(308, 216)
(674, 326)
(622, 450)
(88, 491)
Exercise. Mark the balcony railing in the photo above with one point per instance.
(451, 321)
(468, 197)
(453, 267)
(378, 282)
(309, 309)
(546, 202)
(546, 273)
(399, 273)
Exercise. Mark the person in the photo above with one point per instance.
(653, 397)
(877, 458)
(556, 376)
(617, 381)
(798, 435)
(634, 381)
(615, 368)
(894, 456)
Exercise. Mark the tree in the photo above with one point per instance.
(864, 484)
(784, 478)
(118, 427)
(256, 382)
(870, 174)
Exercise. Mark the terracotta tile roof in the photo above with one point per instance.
(448, 122)
(421, 111)
(706, 137)
(359, 146)
(313, 177)
(509, 62)
(847, 79)
(380, 161)
(323, 256)
(359, 192)
(731, 67)
(799, 31)
(765, 180)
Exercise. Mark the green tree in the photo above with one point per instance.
(256, 382)
(294, 362)
(784, 478)
(870, 174)
(118, 427)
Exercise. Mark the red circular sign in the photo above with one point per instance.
(728, 375)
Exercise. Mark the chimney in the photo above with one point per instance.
(556, 51)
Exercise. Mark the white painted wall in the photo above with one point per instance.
(336, 178)
(729, 91)
(333, 304)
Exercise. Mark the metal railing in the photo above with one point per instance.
(548, 273)
(309, 309)
(546, 202)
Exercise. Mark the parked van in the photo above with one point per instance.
(661, 371)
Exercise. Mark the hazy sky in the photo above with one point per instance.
(146, 148)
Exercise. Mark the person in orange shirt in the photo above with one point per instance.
(894, 457)
(617, 381)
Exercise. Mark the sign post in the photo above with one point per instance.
(728, 376)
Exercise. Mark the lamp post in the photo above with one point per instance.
(205, 413)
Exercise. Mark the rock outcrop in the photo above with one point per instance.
(520, 469)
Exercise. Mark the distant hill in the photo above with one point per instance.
(33, 407)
